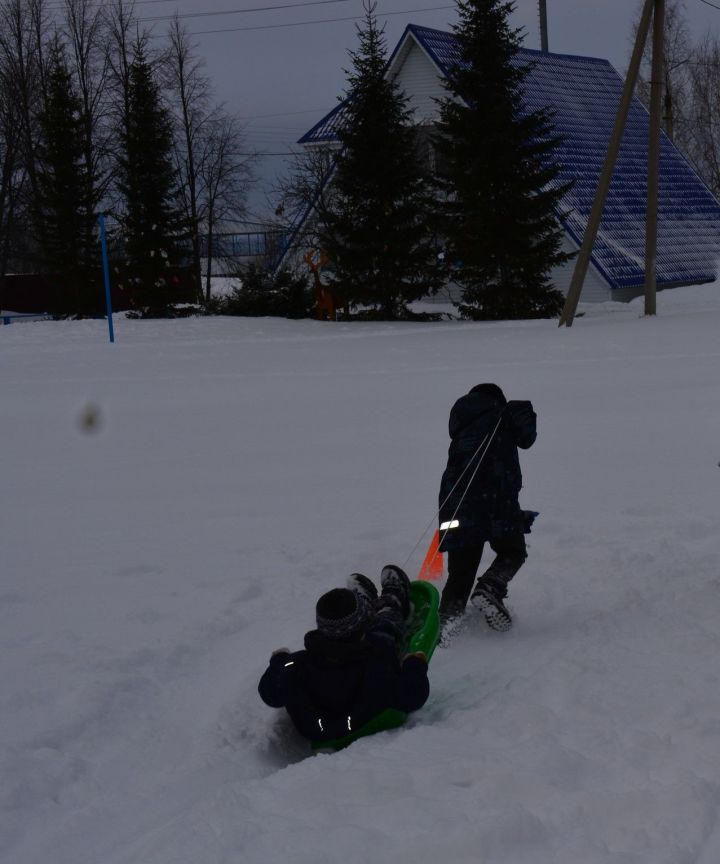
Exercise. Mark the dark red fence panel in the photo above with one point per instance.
(31, 292)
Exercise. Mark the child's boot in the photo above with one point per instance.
(395, 589)
(489, 601)
(360, 583)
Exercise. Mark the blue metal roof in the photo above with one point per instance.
(584, 93)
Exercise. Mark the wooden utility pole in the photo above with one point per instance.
(543, 26)
(583, 259)
(651, 223)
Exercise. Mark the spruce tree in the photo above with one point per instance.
(152, 226)
(374, 227)
(63, 210)
(499, 211)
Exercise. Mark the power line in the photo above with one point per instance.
(60, 7)
(316, 21)
(213, 13)
(284, 6)
(708, 3)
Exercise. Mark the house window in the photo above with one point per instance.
(428, 150)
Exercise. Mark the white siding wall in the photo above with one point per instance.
(624, 295)
(595, 288)
(417, 75)
(419, 78)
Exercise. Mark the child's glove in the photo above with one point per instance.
(529, 516)
(281, 651)
(521, 411)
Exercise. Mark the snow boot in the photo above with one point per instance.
(362, 585)
(492, 607)
(395, 589)
(450, 627)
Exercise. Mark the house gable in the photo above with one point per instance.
(417, 76)
(583, 94)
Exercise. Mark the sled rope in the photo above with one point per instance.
(437, 512)
(469, 484)
(485, 443)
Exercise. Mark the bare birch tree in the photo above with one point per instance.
(676, 72)
(119, 22)
(691, 93)
(208, 150)
(190, 107)
(703, 147)
(122, 34)
(225, 172)
(22, 38)
(85, 30)
(12, 173)
(304, 196)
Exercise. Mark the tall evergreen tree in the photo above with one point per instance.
(152, 224)
(374, 225)
(499, 213)
(64, 209)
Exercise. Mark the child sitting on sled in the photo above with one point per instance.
(349, 671)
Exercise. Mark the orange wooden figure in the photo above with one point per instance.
(325, 304)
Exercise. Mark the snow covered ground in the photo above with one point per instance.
(173, 504)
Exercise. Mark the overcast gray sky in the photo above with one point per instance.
(282, 79)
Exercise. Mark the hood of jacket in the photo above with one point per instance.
(482, 406)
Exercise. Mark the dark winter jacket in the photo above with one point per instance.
(335, 687)
(490, 507)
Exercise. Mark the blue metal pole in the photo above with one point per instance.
(106, 275)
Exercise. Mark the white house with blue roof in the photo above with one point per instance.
(584, 93)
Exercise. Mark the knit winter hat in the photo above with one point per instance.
(341, 613)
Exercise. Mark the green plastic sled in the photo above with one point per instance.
(423, 635)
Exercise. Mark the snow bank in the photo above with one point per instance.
(173, 504)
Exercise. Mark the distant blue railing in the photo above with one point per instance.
(244, 244)
(28, 316)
